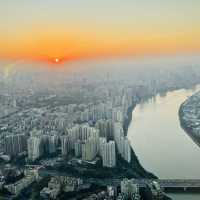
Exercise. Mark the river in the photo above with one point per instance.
(161, 145)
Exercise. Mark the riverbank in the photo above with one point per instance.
(134, 159)
(157, 137)
(189, 117)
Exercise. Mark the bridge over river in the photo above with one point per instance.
(173, 184)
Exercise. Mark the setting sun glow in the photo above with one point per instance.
(90, 29)
(57, 60)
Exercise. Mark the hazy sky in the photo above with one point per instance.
(71, 29)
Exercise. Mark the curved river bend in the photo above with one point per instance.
(160, 143)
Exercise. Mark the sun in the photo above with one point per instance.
(57, 60)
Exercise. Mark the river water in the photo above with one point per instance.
(161, 145)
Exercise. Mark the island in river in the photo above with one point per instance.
(189, 114)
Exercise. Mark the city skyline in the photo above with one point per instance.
(99, 100)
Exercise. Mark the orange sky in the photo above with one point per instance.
(33, 30)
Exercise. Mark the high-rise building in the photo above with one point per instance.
(90, 149)
(82, 132)
(118, 131)
(105, 128)
(117, 115)
(53, 143)
(102, 141)
(45, 144)
(66, 145)
(123, 145)
(78, 148)
(125, 149)
(101, 125)
(15, 144)
(35, 148)
(109, 154)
